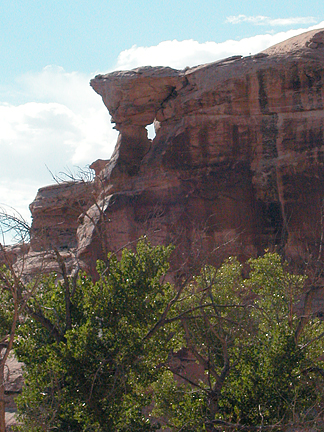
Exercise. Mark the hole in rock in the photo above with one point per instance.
(150, 131)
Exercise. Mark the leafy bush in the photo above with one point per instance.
(94, 377)
(106, 361)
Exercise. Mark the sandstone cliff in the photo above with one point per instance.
(236, 164)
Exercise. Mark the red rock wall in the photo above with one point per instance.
(236, 165)
(55, 212)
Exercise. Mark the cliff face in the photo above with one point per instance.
(236, 164)
(55, 211)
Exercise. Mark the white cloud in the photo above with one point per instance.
(179, 54)
(66, 125)
(83, 118)
(16, 195)
(264, 20)
(63, 122)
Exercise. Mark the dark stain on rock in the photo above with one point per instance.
(295, 85)
(263, 98)
(295, 80)
(177, 155)
(289, 135)
(236, 142)
(314, 83)
(312, 138)
(271, 223)
(268, 179)
(269, 130)
(131, 152)
(203, 144)
(300, 137)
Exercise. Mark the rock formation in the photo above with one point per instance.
(236, 164)
(13, 385)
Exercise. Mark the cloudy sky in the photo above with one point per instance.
(52, 121)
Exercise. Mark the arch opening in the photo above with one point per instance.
(150, 131)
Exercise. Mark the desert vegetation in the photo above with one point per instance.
(232, 348)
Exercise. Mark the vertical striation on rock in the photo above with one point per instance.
(236, 164)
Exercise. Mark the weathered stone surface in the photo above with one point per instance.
(13, 386)
(10, 254)
(237, 160)
(236, 165)
(55, 212)
(98, 165)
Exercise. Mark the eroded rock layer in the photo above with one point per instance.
(236, 164)
(55, 211)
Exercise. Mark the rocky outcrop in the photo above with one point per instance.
(13, 386)
(55, 212)
(236, 164)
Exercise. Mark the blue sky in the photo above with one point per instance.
(51, 120)
(86, 36)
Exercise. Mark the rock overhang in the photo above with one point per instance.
(238, 159)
